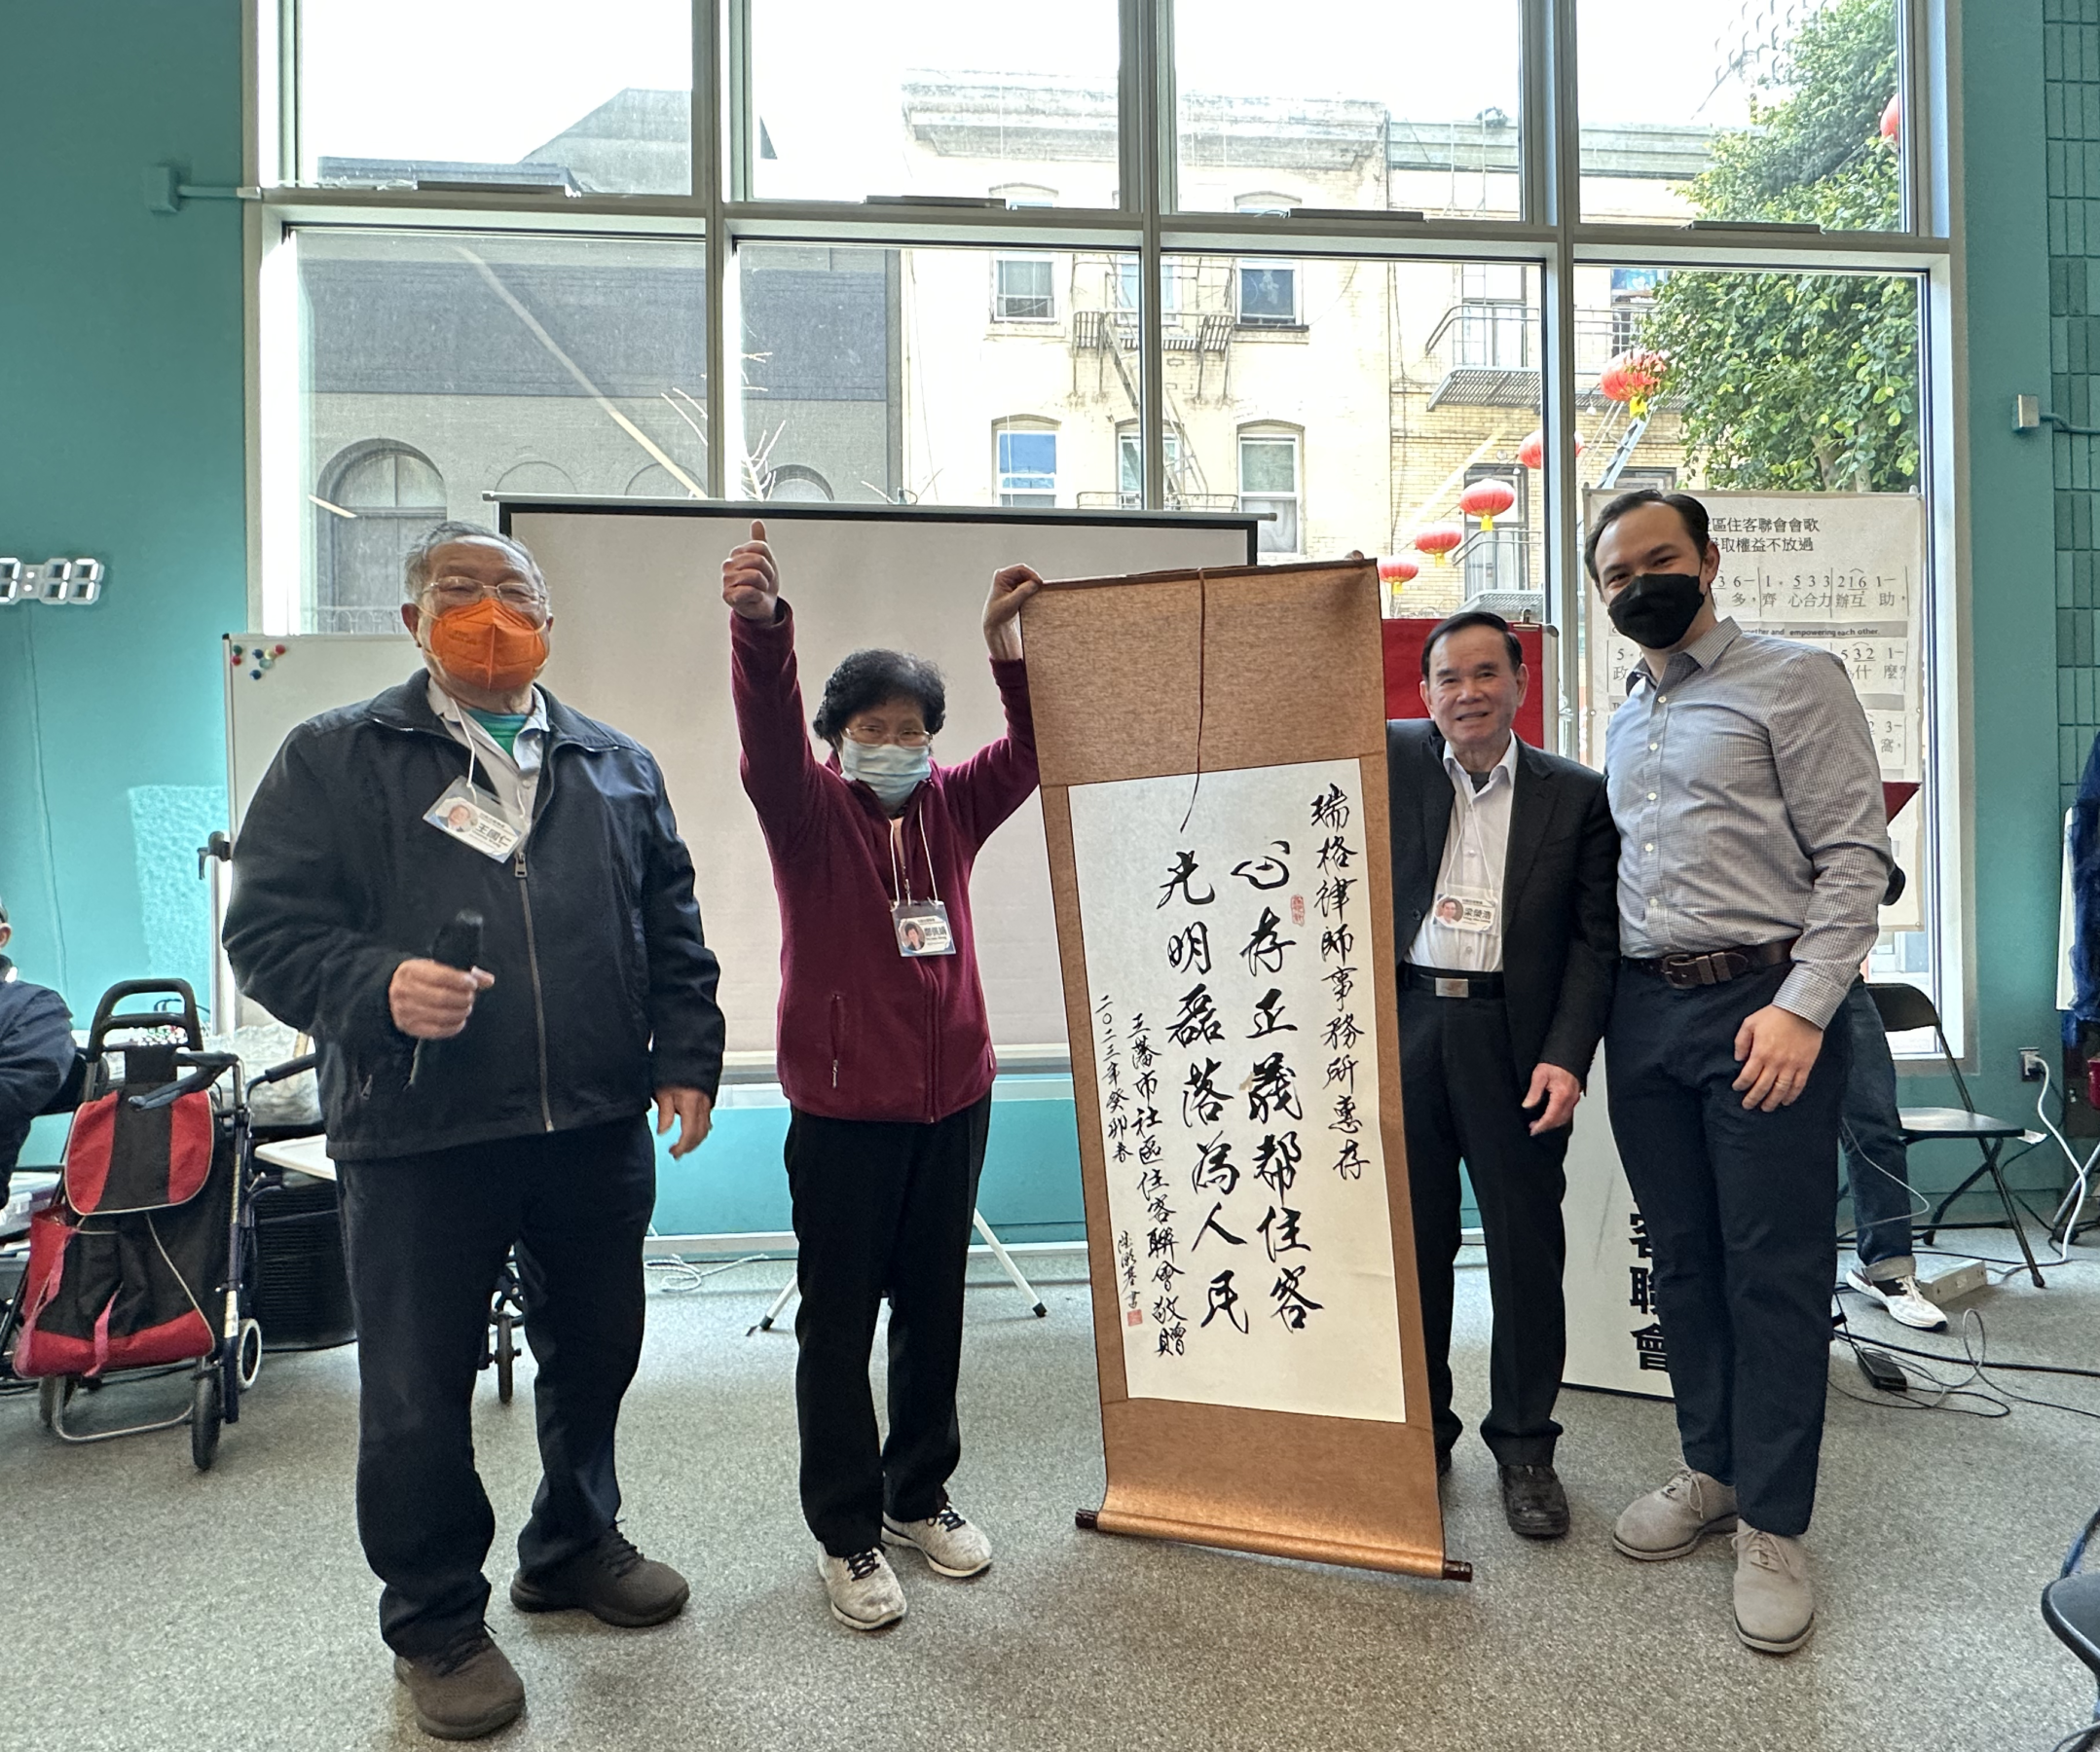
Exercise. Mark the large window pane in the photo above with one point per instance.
(593, 97)
(1802, 390)
(1718, 109)
(1351, 103)
(1341, 402)
(949, 98)
(438, 366)
(938, 376)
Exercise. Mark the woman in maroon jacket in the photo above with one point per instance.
(885, 1057)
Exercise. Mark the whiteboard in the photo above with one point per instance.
(1842, 570)
(641, 641)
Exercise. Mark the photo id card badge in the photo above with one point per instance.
(475, 819)
(1466, 909)
(922, 929)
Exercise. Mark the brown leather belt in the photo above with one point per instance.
(1714, 967)
(1445, 984)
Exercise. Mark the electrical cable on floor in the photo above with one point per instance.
(2081, 1171)
(1976, 1354)
(682, 1277)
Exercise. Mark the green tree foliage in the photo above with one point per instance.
(1802, 381)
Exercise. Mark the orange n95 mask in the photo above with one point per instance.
(489, 645)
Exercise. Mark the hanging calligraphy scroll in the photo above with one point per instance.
(1212, 750)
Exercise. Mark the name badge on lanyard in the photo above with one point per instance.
(473, 818)
(921, 925)
(1466, 909)
(922, 929)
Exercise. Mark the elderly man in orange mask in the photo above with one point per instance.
(477, 902)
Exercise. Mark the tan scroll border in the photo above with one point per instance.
(1290, 669)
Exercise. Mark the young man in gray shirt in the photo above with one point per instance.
(1754, 853)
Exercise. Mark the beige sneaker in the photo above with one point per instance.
(1669, 1522)
(949, 1544)
(864, 1591)
(1775, 1605)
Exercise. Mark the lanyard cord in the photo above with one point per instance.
(900, 877)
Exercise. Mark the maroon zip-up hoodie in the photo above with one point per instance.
(865, 1033)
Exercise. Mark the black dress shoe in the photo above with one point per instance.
(1534, 1502)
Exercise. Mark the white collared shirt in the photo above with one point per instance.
(513, 777)
(1476, 847)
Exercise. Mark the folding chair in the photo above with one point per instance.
(1903, 1008)
(2071, 1607)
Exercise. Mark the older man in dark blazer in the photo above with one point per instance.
(1504, 863)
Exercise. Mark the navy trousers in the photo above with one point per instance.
(427, 1236)
(1741, 1211)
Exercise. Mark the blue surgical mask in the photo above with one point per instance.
(890, 770)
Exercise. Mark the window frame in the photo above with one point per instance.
(1024, 425)
(1548, 234)
(1004, 259)
(1275, 433)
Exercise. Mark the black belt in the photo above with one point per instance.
(1714, 967)
(1443, 984)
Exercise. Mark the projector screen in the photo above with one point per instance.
(641, 641)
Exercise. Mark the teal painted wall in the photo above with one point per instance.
(121, 383)
(121, 376)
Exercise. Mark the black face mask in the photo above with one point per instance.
(1656, 610)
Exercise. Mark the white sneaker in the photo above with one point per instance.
(947, 1541)
(864, 1591)
(1904, 1302)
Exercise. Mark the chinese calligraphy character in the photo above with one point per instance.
(1270, 1090)
(1201, 1101)
(1330, 809)
(1334, 856)
(1264, 951)
(1215, 1167)
(1341, 1033)
(1197, 1021)
(1642, 1293)
(1265, 873)
(1278, 1231)
(1212, 1224)
(1224, 1299)
(1649, 1341)
(1189, 951)
(1268, 1017)
(1293, 1303)
(1345, 1120)
(1276, 1161)
(1349, 1164)
(1183, 877)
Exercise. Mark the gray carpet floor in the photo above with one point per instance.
(151, 1607)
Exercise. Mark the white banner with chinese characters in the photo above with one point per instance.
(1226, 926)
(1844, 570)
(1614, 1339)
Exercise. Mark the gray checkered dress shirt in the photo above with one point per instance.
(1747, 798)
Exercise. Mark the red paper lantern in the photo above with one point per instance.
(1438, 540)
(1397, 571)
(1892, 118)
(1633, 378)
(1531, 452)
(1487, 500)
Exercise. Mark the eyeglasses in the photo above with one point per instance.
(460, 593)
(868, 735)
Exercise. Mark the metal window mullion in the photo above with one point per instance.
(1559, 131)
(1534, 115)
(707, 184)
(1152, 129)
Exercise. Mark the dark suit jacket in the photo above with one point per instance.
(1560, 890)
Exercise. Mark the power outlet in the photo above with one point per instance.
(2033, 1066)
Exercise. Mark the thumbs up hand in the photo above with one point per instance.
(750, 579)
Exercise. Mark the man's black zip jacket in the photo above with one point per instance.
(604, 989)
